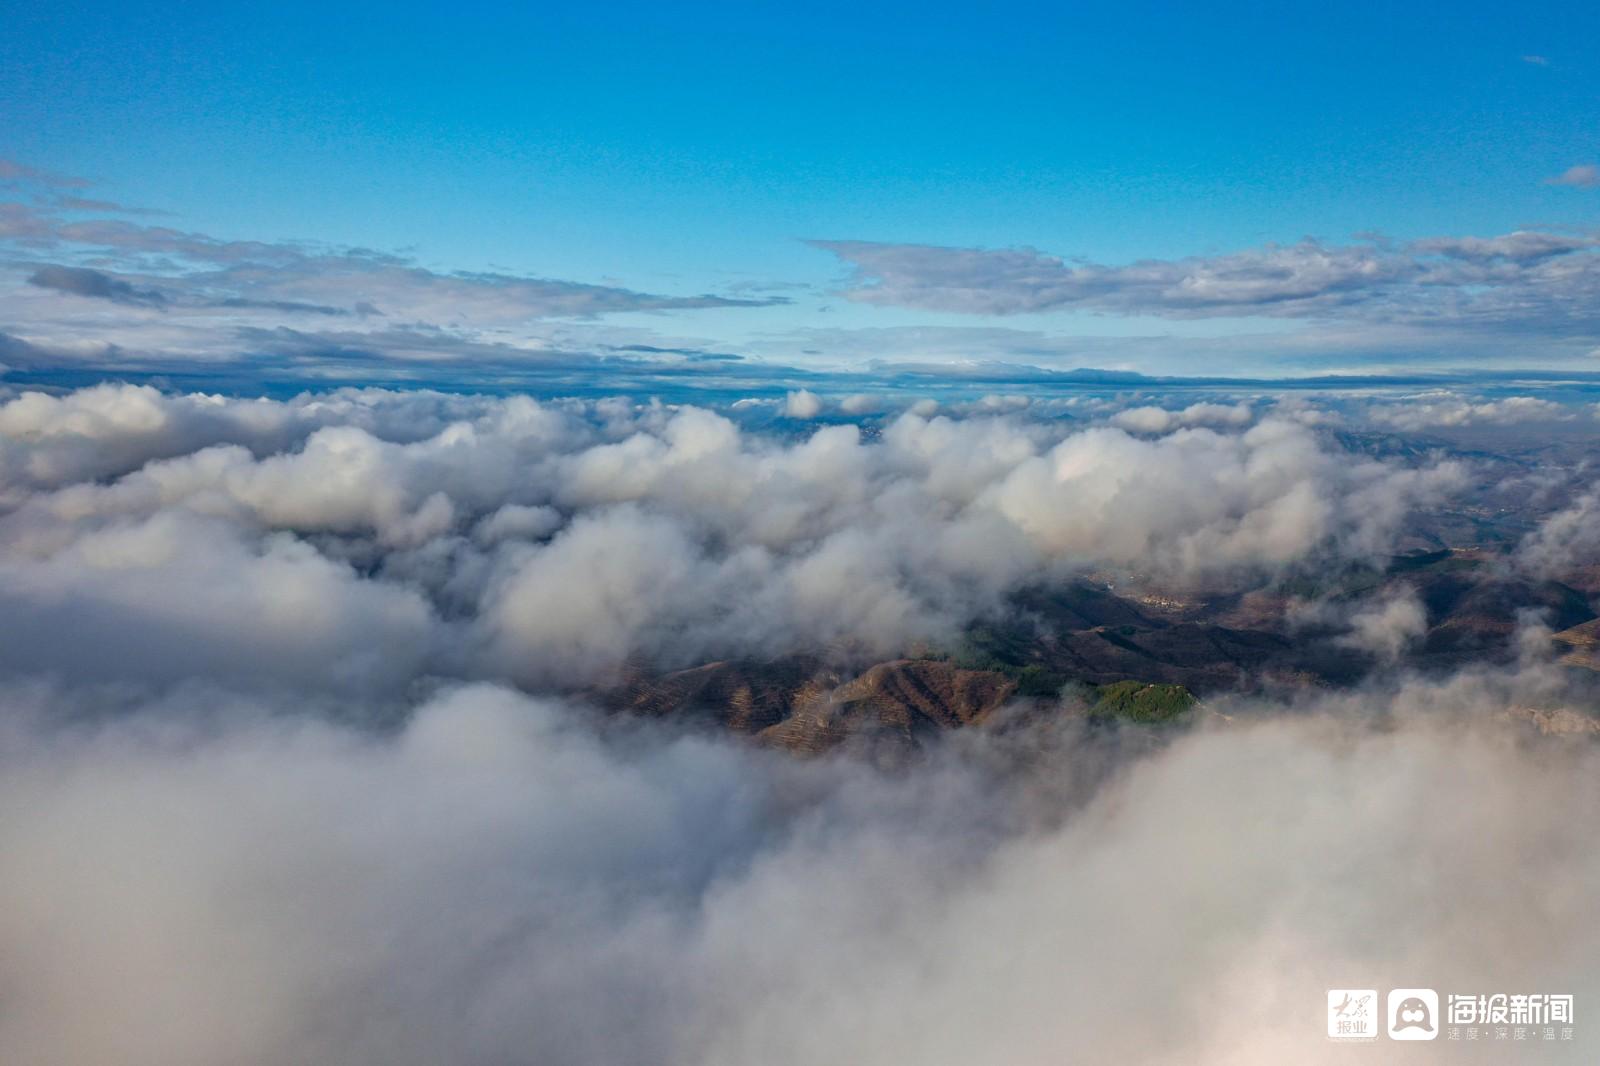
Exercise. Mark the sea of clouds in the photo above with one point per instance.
(359, 539)
(298, 764)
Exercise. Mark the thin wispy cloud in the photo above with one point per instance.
(94, 284)
(1529, 279)
(293, 271)
(13, 172)
(119, 293)
(1582, 176)
(1367, 299)
(80, 203)
(184, 294)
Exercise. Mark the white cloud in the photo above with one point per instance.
(175, 596)
(492, 883)
(1449, 410)
(1566, 538)
(1526, 279)
(861, 403)
(1582, 176)
(802, 403)
(1160, 420)
(1387, 628)
(554, 543)
(197, 272)
(249, 811)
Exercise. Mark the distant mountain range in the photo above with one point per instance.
(1141, 655)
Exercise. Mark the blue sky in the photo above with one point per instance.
(683, 150)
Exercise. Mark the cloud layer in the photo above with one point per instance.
(1525, 278)
(554, 543)
(495, 884)
(79, 285)
(92, 283)
(290, 276)
(297, 765)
